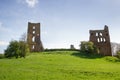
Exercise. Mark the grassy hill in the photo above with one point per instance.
(60, 65)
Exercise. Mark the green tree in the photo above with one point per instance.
(12, 49)
(23, 45)
(16, 49)
(23, 49)
(88, 47)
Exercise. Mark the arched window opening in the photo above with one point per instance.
(33, 39)
(101, 34)
(33, 27)
(96, 34)
(33, 47)
(33, 32)
(98, 40)
(104, 40)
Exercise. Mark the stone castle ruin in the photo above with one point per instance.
(72, 46)
(33, 37)
(101, 40)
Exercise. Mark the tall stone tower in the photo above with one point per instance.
(101, 40)
(33, 37)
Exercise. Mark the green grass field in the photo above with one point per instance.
(60, 65)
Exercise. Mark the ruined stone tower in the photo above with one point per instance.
(33, 37)
(101, 40)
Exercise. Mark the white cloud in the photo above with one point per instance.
(31, 3)
(3, 43)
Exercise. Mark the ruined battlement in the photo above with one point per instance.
(101, 40)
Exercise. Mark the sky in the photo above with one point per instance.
(63, 22)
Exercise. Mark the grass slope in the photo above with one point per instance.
(60, 65)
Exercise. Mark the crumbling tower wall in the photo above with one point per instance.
(101, 40)
(33, 37)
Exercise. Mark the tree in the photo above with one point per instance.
(23, 37)
(12, 49)
(23, 49)
(88, 47)
(17, 48)
(23, 45)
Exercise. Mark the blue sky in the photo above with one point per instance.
(63, 22)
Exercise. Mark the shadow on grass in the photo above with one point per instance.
(86, 55)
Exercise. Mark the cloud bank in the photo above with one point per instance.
(31, 3)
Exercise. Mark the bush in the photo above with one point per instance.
(1, 56)
(118, 54)
(16, 49)
(88, 47)
(12, 49)
(61, 49)
(112, 59)
(23, 49)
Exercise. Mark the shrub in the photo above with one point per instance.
(62, 49)
(12, 49)
(112, 59)
(23, 47)
(1, 56)
(88, 47)
(118, 54)
(16, 49)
